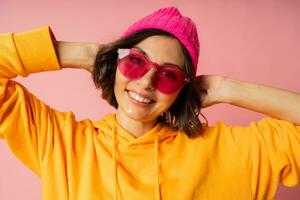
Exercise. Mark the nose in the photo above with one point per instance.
(147, 81)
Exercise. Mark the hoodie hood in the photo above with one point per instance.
(119, 137)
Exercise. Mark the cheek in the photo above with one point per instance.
(118, 85)
(167, 100)
(120, 80)
(117, 80)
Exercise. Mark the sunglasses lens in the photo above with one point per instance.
(133, 66)
(169, 79)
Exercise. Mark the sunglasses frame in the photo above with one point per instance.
(123, 53)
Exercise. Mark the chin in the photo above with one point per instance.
(141, 117)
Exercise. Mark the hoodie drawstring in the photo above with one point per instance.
(156, 154)
(115, 165)
(156, 147)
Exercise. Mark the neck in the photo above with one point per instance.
(134, 127)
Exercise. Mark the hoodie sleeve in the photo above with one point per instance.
(270, 151)
(26, 123)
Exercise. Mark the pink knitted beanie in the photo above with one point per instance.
(170, 20)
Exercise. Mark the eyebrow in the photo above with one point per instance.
(142, 51)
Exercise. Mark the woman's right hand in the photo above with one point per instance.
(79, 55)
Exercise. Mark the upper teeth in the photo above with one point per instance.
(138, 98)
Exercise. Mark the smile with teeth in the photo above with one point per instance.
(138, 98)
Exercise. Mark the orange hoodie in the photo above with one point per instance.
(87, 160)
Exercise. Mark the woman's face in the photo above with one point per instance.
(132, 95)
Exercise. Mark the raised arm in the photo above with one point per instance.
(29, 126)
(77, 54)
(275, 102)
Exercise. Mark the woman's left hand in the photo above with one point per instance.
(210, 89)
(275, 102)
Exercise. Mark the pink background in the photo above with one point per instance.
(256, 41)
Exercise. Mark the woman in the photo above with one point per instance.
(154, 147)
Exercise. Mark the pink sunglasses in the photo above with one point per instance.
(133, 64)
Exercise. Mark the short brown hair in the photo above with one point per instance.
(183, 113)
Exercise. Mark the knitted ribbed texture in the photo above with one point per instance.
(170, 20)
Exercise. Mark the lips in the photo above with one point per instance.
(139, 98)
